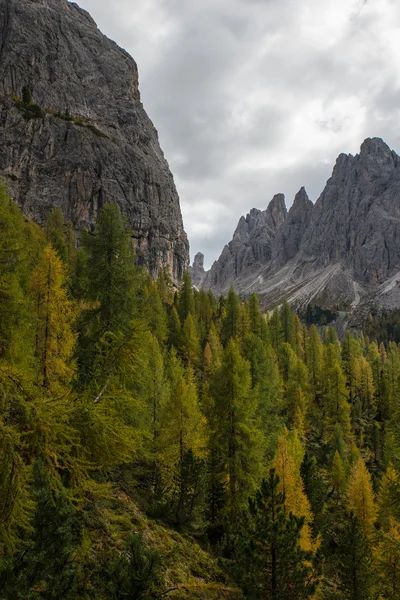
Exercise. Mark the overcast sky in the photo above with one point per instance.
(256, 97)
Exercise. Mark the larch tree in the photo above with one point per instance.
(287, 467)
(54, 317)
(231, 322)
(186, 298)
(360, 497)
(235, 428)
(387, 557)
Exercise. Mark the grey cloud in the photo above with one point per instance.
(255, 97)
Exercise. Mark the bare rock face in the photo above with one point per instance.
(91, 140)
(250, 248)
(290, 234)
(344, 250)
(196, 271)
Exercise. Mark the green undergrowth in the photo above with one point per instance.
(34, 111)
(187, 570)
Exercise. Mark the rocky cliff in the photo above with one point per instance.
(84, 137)
(344, 250)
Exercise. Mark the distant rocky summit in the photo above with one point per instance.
(196, 271)
(343, 251)
(79, 136)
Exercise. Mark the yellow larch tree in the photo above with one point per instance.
(387, 557)
(54, 317)
(287, 467)
(387, 495)
(360, 496)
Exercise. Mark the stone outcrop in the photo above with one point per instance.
(89, 139)
(197, 271)
(251, 246)
(344, 250)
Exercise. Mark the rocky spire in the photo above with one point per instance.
(196, 271)
(276, 212)
(289, 236)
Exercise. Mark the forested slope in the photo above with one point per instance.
(136, 423)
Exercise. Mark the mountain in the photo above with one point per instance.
(84, 137)
(344, 250)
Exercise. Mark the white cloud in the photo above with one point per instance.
(255, 97)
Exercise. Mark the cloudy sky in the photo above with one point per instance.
(255, 97)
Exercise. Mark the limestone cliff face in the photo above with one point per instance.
(92, 142)
(344, 250)
(250, 248)
(197, 271)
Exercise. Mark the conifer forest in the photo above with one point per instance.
(162, 443)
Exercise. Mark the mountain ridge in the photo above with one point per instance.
(341, 251)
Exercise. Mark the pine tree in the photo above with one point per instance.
(315, 490)
(110, 265)
(134, 573)
(269, 560)
(109, 280)
(354, 566)
(45, 568)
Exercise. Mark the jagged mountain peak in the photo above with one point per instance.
(276, 211)
(343, 250)
(301, 201)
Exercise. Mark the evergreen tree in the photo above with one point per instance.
(45, 568)
(186, 298)
(315, 489)
(231, 321)
(354, 564)
(387, 555)
(60, 235)
(134, 573)
(174, 329)
(269, 561)
(288, 324)
(109, 281)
